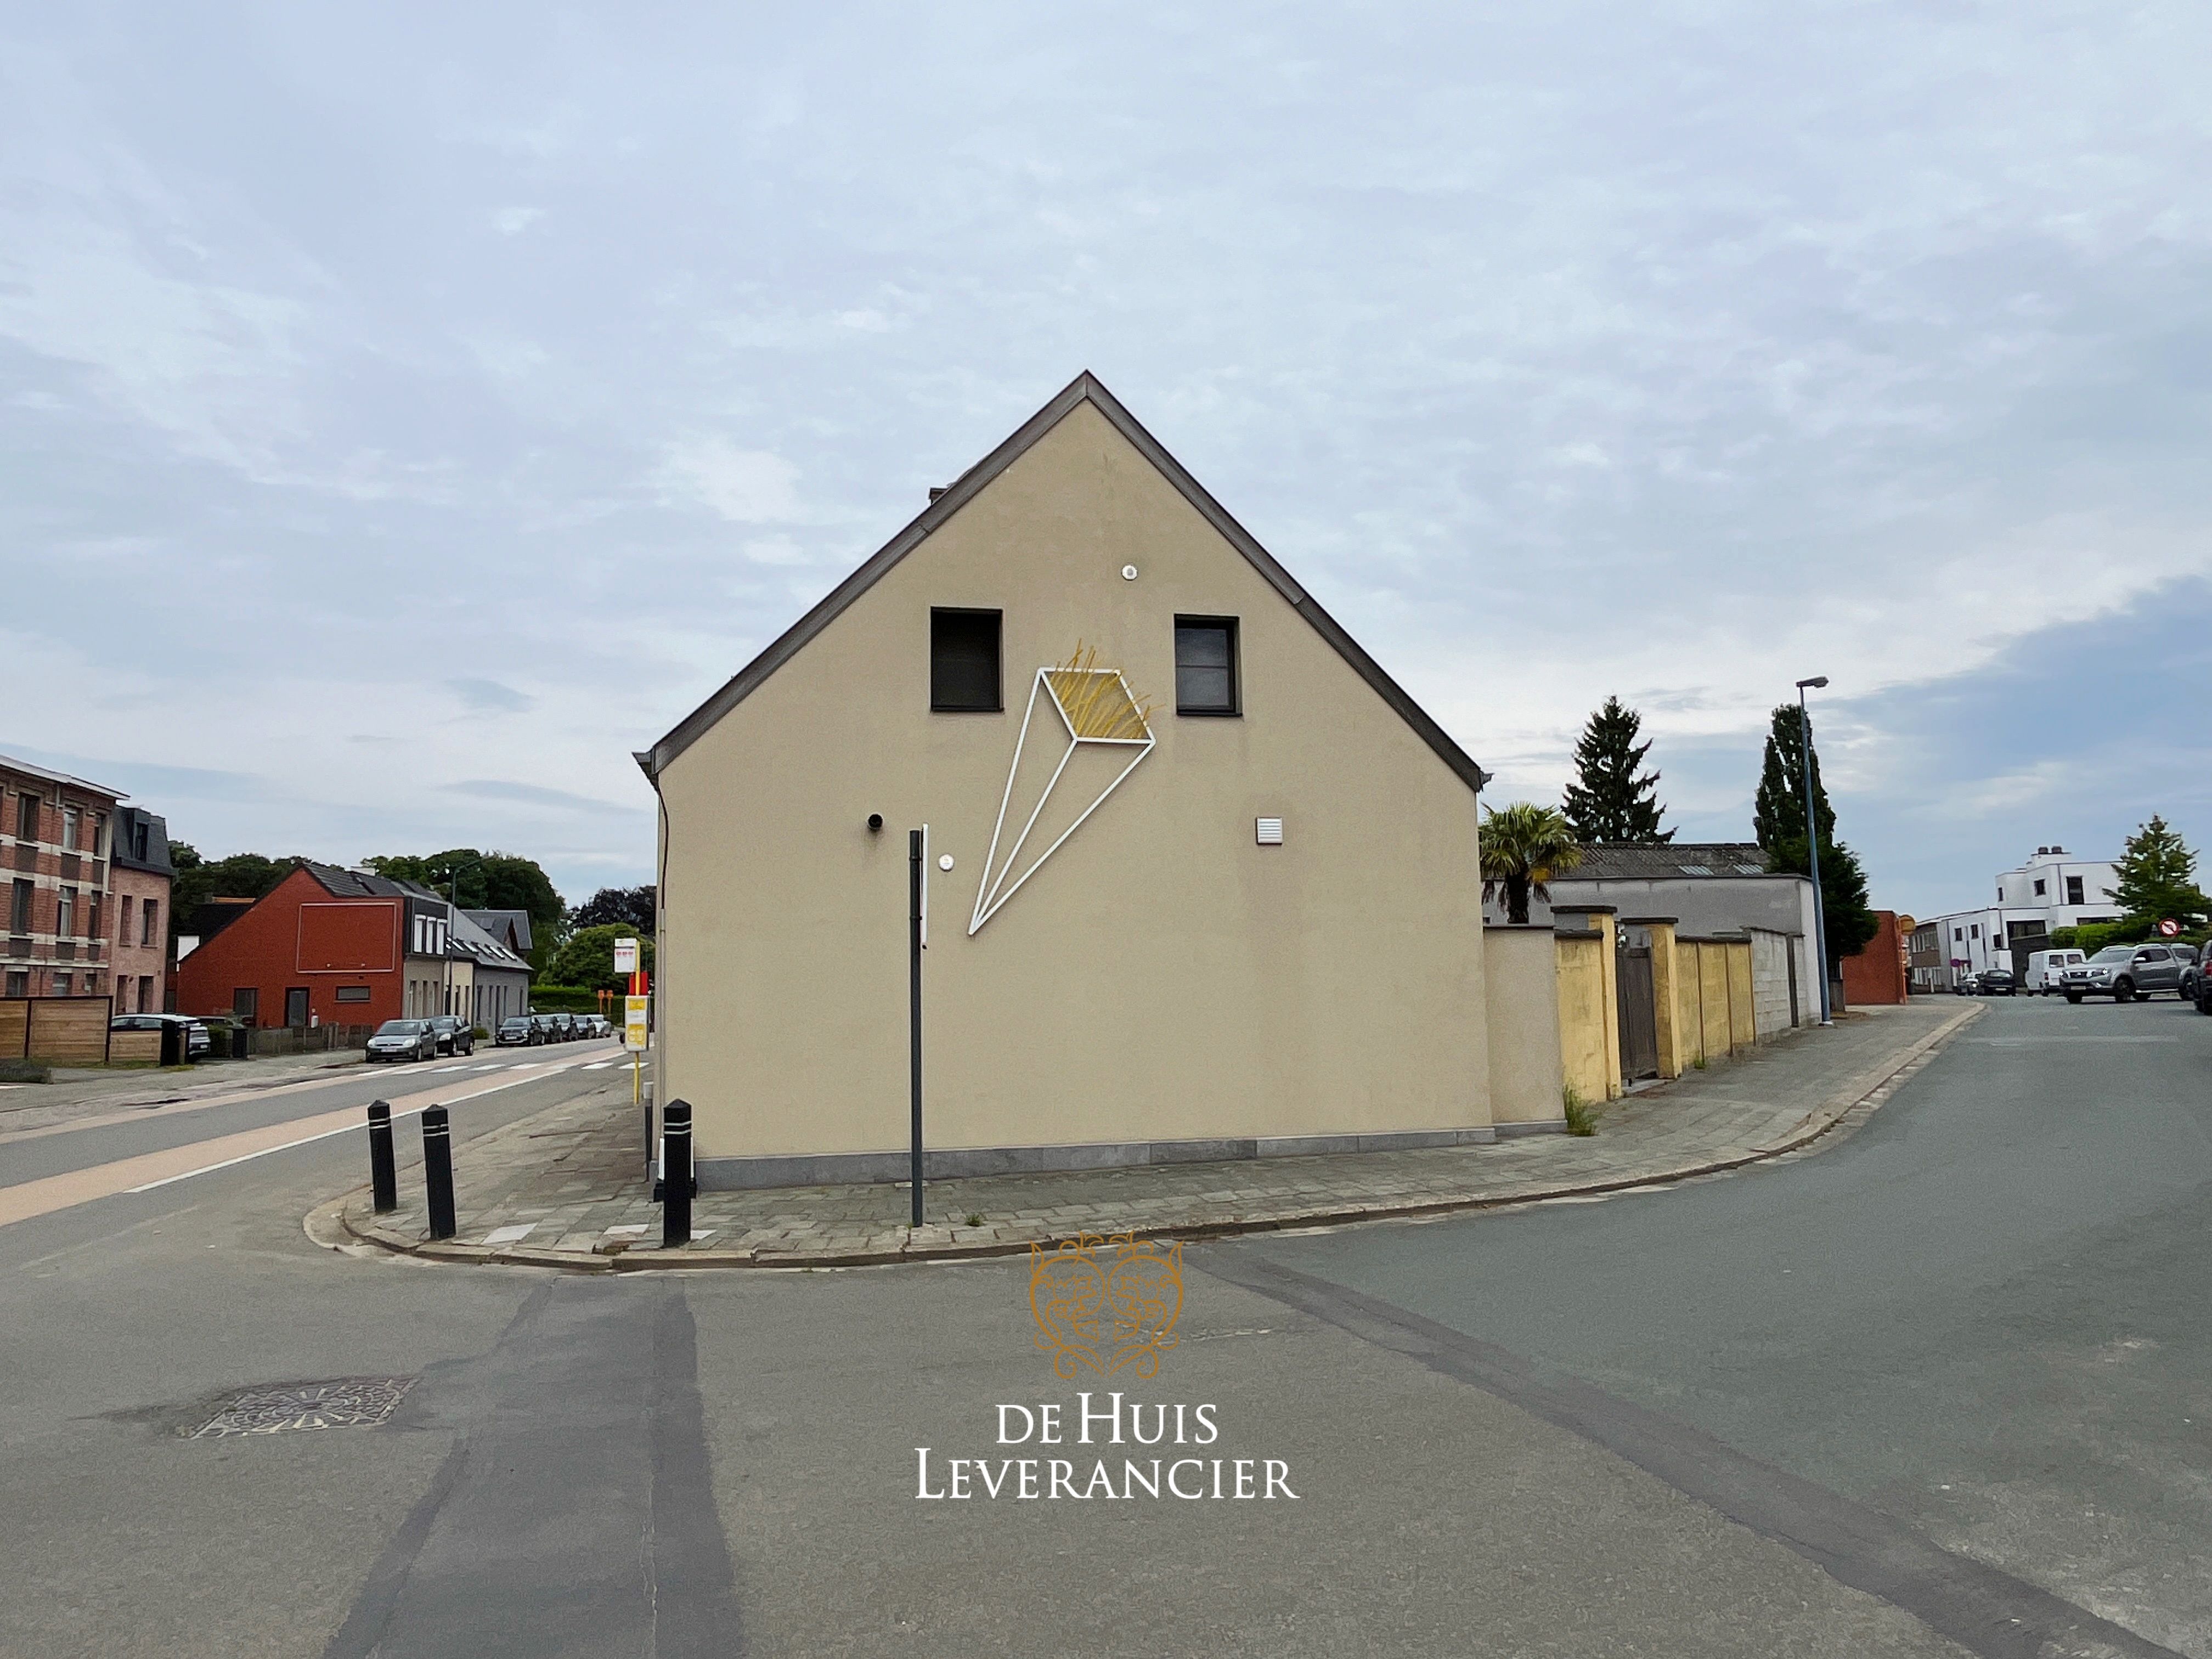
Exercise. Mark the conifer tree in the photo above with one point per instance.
(1778, 820)
(2158, 876)
(1608, 801)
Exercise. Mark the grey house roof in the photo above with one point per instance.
(1692, 860)
(124, 835)
(352, 883)
(509, 927)
(469, 940)
(1083, 388)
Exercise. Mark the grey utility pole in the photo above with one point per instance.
(1812, 844)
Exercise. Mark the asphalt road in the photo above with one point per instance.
(1926, 1393)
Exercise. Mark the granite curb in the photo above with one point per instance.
(347, 1218)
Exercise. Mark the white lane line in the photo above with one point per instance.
(599, 1066)
(344, 1129)
(442, 1070)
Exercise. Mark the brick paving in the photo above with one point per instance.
(565, 1187)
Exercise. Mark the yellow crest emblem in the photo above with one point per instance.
(1109, 1304)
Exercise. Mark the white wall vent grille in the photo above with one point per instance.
(1271, 832)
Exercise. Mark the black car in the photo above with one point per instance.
(455, 1035)
(547, 1031)
(1994, 982)
(519, 1032)
(566, 1025)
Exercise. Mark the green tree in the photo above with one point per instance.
(2157, 876)
(629, 907)
(1777, 810)
(1523, 846)
(196, 880)
(588, 958)
(1608, 801)
(489, 881)
(1778, 820)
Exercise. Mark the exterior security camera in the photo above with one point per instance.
(875, 821)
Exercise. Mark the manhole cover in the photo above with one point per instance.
(351, 1402)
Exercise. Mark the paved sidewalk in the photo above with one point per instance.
(564, 1188)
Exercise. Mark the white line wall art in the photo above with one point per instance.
(1095, 708)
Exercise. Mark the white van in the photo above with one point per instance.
(2043, 967)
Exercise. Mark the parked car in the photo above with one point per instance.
(2044, 968)
(2125, 973)
(455, 1035)
(598, 1024)
(196, 1040)
(2191, 970)
(519, 1032)
(403, 1039)
(547, 1031)
(1994, 982)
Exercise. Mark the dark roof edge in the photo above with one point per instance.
(1083, 388)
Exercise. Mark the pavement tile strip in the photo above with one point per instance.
(566, 1188)
(351, 1402)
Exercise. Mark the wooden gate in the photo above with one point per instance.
(1639, 1021)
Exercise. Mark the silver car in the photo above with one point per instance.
(2125, 973)
(403, 1039)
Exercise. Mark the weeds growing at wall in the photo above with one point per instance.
(1581, 1119)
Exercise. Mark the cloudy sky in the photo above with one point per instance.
(405, 415)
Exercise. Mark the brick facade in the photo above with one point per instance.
(57, 901)
(1879, 971)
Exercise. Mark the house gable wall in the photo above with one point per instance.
(1162, 978)
(262, 948)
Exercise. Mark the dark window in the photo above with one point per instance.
(26, 817)
(245, 1003)
(963, 661)
(1205, 665)
(19, 908)
(149, 921)
(353, 993)
(19, 982)
(2073, 890)
(2039, 889)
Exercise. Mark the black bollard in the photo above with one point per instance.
(676, 1186)
(438, 1170)
(383, 1177)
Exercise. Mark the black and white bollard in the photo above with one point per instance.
(675, 1176)
(438, 1170)
(383, 1175)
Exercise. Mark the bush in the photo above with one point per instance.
(23, 1071)
(564, 1000)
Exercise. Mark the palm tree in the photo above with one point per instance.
(1523, 846)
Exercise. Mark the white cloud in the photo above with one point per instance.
(514, 221)
(745, 486)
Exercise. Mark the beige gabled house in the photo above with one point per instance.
(1209, 889)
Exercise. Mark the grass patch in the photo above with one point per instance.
(23, 1071)
(1700, 1062)
(1582, 1119)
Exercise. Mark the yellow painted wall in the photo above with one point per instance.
(1743, 1027)
(1712, 998)
(1666, 997)
(1162, 977)
(1583, 1011)
(1520, 971)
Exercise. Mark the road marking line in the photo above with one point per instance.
(146, 1171)
(442, 1070)
(599, 1066)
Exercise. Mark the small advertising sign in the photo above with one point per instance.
(634, 1023)
(625, 956)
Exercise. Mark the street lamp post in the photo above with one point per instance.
(1812, 844)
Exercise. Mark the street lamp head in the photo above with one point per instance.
(1816, 682)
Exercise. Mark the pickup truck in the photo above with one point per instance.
(2125, 973)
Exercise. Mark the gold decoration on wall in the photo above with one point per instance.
(1097, 708)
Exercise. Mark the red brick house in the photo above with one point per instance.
(138, 898)
(326, 946)
(54, 834)
(1880, 971)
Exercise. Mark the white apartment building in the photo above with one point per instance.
(2051, 891)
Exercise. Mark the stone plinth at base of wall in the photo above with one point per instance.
(833, 1169)
(1553, 1126)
